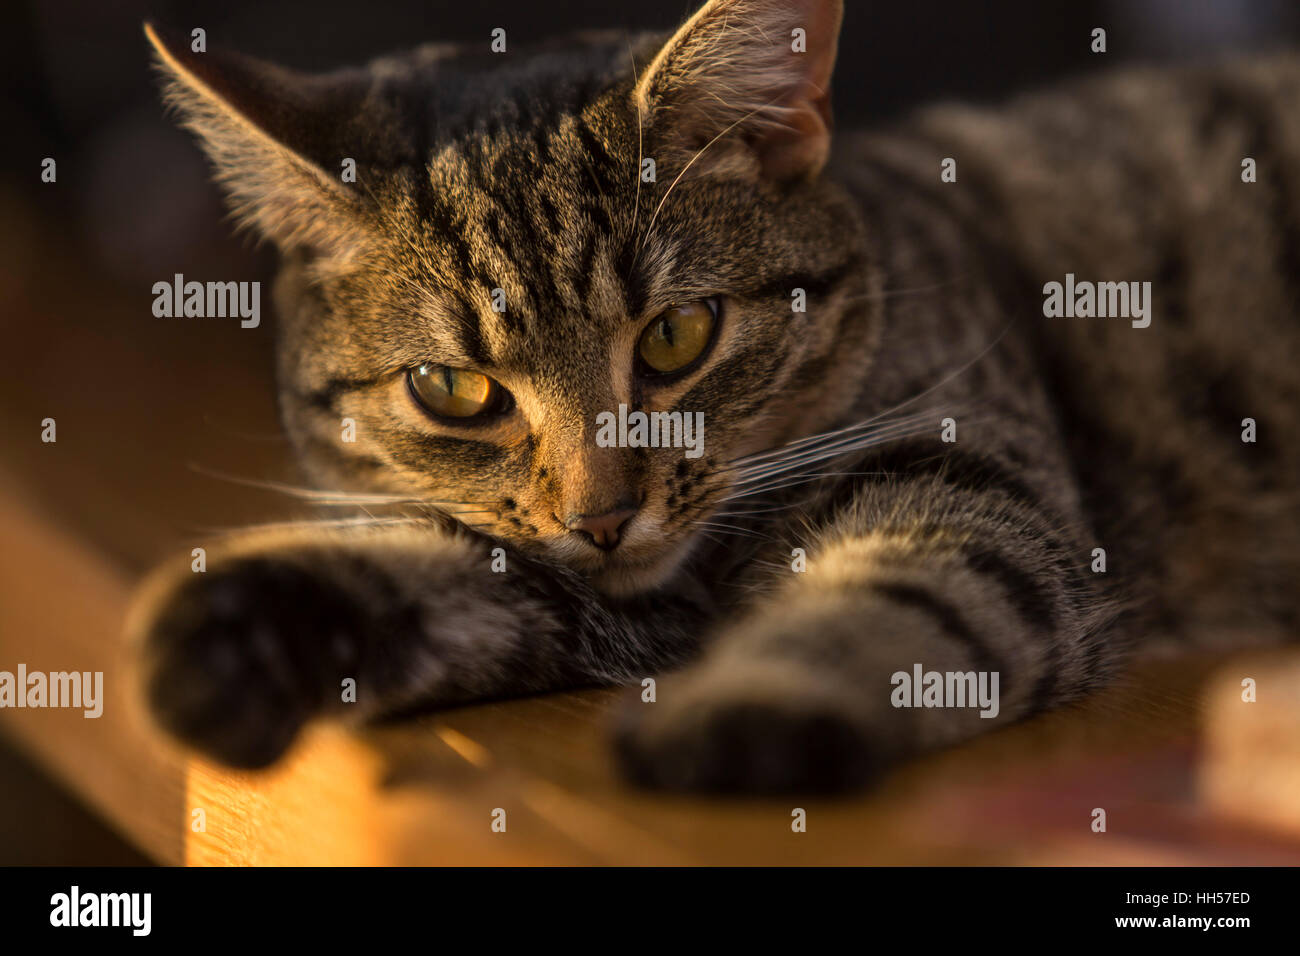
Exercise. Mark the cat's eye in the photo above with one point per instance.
(454, 392)
(678, 336)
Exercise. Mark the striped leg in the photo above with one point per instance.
(239, 657)
(941, 571)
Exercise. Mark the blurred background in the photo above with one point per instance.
(141, 401)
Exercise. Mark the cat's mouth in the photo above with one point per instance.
(629, 576)
(642, 561)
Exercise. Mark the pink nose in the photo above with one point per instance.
(603, 530)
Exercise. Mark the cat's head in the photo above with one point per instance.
(489, 251)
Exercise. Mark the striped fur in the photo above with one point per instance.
(823, 428)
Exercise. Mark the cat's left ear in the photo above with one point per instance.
(744, 86)
(278, 139)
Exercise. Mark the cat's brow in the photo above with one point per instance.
(468, 329)
(325, 396)
(455, 335)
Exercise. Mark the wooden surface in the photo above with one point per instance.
(425, 794)
(61, 608)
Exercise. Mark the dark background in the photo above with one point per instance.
(133, 188)
(140, 401)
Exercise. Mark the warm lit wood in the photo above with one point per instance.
(61, 609)
(1252, 749)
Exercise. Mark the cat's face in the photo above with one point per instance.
(483, 328)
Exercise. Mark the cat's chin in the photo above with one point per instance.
(621, 576)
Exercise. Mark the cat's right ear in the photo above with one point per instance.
(745, 83)
(268, 131)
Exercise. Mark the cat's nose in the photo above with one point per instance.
(603, 530)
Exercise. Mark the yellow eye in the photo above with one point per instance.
(677, 337)
(453, 392)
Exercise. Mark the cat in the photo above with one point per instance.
(909, 465)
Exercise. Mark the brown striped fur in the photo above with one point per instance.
(823, 428)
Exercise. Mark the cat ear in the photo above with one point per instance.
(267, 130)
(747, 76)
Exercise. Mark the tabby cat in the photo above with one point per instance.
(907, 466)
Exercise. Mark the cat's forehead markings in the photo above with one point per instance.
(494, 330)
(446, 337)
(607, 294)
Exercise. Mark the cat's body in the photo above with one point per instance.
(803, 576)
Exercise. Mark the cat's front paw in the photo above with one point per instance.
(237, 659)
(747, 731)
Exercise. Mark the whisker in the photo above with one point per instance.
(856, 445)
(820, 442)
(791, 482)
(799, 444)
(322, 523)
(812, 456)
(640, 151)
(318, 496)
(732, 512)
(703, 149)
(918, 289)
(750, 459)
(737, 511)
(710, 536)
(730, 529)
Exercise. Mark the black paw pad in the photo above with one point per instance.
(748, 746)
(240, 657)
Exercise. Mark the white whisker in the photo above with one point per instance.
(320, 497)
(321, 523)
(812, 456)
(822, 442)
(792, 482)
